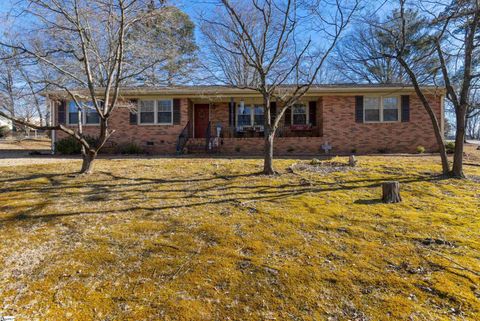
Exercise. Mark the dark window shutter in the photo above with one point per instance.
(312, 112)
(177, 116)
(359, 109)
(273, 111)
(134, 112)
(288, 116)
(405, 108)
(320, 117)
(231, 114)
(62, 112)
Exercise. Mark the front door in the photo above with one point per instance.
(201, 118)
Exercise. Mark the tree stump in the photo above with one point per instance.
(391, 192)
(352, 161)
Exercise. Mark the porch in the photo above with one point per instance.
(211, 123)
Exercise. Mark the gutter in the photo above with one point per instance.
(226, 92)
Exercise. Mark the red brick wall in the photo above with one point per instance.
(164, 137)
(335, 113)
(344, 134)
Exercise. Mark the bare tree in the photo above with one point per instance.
(472, 124)
(454, 57)
(395, 31)
(257, 45)
(360, 57)
(84, 44)
(459, 62)
(9, 94)
(18, 93)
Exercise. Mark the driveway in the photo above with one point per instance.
(17, 153)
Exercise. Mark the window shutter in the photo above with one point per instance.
(231, 114)
(288, 116)
(320, 116)
(405, 108)
(359, 109)
(62, 112)
(177, 116)
(273, 111)
(312, 112)
(134, 112)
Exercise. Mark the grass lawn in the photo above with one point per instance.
(207, 239)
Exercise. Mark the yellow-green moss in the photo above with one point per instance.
(205, 239)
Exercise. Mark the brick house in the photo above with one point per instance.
(346, 118)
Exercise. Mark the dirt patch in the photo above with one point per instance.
(318, 166)
(21, 161)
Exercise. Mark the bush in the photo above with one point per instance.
(290, 149)
(131, 149)
(4, 130)
(70, 146)
(353, 151)
(237, 149)
(450, 147)
(383, 150)
(420, 149)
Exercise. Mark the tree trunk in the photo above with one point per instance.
(87, 163)
(391, 192)
(352, 161)
(457, 170)
(433, 118)
(268, 159)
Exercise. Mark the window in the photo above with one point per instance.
(89, 114)
(72, 113)
(372, 109)
(250, 115)
(259, 116)
(381, 109)
(156, 112)
(299, 114)
(390, 109)
(244, 116)
(147, 112)
(165, 112)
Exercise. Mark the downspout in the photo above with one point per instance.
(442, 110)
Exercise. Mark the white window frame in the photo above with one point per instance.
(155, 112)
(307, 116)
(381, 109)
(83, 116)
(252, 116)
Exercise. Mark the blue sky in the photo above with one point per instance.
(191, 7)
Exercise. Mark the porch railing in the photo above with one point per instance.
(208, 137)
(282, 131)
(183, 138)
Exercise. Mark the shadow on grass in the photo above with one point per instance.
(218, 189)
(369, 201)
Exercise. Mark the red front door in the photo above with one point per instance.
(201, 120)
